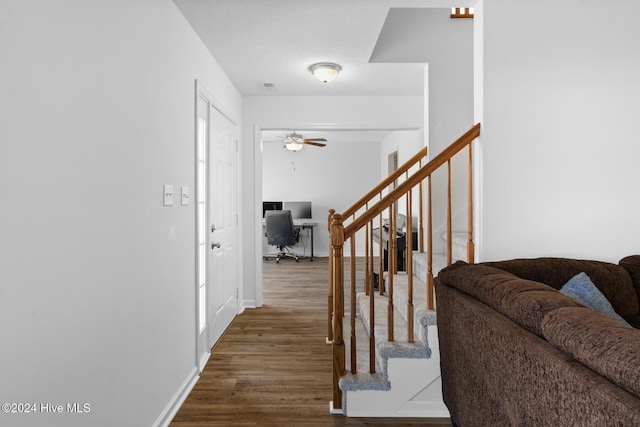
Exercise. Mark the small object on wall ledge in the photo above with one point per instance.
(462, 12)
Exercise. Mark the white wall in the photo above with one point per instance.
(325, 176)
(559, 133)
(407, 143)
(450, 94)
(450, 79)
(97, 295)
(299, 112)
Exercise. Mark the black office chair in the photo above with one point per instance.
(281, 233)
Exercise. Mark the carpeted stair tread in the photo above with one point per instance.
(420, 264)
(362, 379)
(458, 244)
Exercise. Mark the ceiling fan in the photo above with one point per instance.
(295, 141)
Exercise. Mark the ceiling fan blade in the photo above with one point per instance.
(317, 144)
(315, 139)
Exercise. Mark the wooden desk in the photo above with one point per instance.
(306, 225)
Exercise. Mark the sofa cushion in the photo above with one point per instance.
(581, 288)
(602, 344)
(524, 301)
(612, 280)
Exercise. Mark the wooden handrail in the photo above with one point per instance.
(412, 181)
(385, 183)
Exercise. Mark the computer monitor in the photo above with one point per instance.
(298, 209)
(271, 206)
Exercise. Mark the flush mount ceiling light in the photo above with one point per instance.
(326, 72)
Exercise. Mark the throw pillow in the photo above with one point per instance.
(581, 288)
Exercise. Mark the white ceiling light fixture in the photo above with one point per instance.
(326, 72)
(293, 146)
(293, 142)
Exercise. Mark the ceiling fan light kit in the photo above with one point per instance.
(293, 146)
(295, 142)
(326, 72)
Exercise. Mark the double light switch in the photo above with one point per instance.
(167, 195)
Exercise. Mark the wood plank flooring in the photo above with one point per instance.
(272, 366)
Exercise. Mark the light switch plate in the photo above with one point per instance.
(168, 195)
(184, 191)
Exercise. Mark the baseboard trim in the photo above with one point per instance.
(247, 303)
(203, 361)
(334, 411)
(428, 409)
(170, 411)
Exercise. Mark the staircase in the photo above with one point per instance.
(407, 379)
(389, 366)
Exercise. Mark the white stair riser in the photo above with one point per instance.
(410, 395)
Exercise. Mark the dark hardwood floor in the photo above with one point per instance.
(272, 366)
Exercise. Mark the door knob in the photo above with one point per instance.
(213, 228)
(215, 245)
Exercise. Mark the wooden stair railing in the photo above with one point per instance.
(363, 202)
(345, 226)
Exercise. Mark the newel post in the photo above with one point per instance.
(330, 293)
(337, 260)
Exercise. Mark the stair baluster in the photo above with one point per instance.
(470, 245)
(391, 271)
(352, 307)
(430, 290)
(420, 215)
(409, 265)
(449, 225)
(367, 288)
(381, 282)
(372, 296)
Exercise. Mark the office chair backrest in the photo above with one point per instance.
(279, 228)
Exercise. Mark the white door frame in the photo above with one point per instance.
(202, 92)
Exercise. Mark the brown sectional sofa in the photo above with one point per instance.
(514, 351)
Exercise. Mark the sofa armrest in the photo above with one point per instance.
(525, 302)
(602, 344)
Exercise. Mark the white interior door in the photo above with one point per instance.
(222, 264)
(216, 225)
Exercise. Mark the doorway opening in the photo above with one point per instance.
(353, 161)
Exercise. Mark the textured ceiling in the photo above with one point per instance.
(275, 41)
